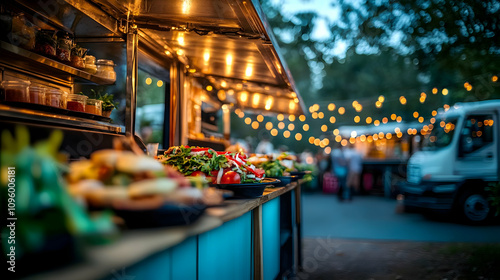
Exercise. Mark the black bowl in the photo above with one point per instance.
(300, 174)
(167, 215)
(250, 190)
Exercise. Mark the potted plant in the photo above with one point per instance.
(108, 104)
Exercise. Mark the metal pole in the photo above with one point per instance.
(132, 68)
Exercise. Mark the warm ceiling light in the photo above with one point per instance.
(223, 84)
(206, 56)
(186, 6)
(243, 97)
(229, 59)
(180, 39)
(248, 71)
(256, 99)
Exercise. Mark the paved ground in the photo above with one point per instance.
(375, 217)
(368, 238)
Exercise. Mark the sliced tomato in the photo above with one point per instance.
(230, 177)
(256, 171)
(198, 173)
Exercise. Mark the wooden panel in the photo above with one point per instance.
(271, 238)
(226, 252)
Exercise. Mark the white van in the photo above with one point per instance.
(458, 160)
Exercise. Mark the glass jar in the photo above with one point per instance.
(106, 69)
(15, 91)
(76, 102)
(56, 98)
(37, 94)
(90, 64)
(23, 33)
(46, 43)
(64, 45)
(94, 106)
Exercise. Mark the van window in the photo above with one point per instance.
(441, 134)
(476, 133)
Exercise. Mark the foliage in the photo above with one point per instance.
(494, 196)
(108, 103)
(393, 48)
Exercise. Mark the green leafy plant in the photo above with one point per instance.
(108, 103)
(494, 196)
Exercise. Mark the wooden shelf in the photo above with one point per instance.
(35, 63)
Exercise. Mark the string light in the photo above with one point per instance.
(280, 117)
(333, 119)
(281, 125)
(248, 120)
(341, 110)
(269, 125)
(305, 127)
(331, 107)
(291, 118)
(255, 125)
(291, 126)
(324, 128)
(402, 100)
(302, 118)
(260, 118)
(368, 120)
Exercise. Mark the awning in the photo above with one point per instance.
(229, 44)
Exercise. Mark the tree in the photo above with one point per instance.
(443, 36)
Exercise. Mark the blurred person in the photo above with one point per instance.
(339, 167)
(265, 146)
(323, 163)
(355, 161)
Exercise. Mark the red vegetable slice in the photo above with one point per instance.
(230, 177)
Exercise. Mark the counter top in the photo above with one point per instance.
(136, 245)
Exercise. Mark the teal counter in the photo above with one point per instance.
(242, 239)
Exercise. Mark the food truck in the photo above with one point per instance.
(458, 162)
(102, 71)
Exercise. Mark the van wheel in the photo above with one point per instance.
(474, 207)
